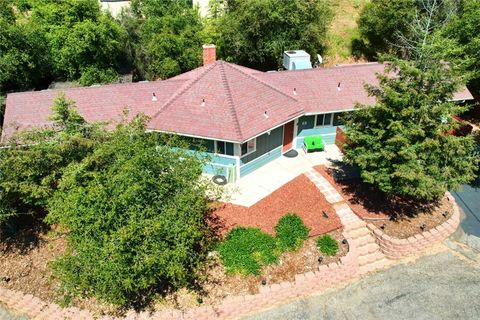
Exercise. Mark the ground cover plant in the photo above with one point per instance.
(290, 232)
(248, 250)
(327, 245)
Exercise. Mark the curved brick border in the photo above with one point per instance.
(325, 277)
(395, 248)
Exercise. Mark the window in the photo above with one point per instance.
(222, 147)
(249, 147)
(322, 120)
(337, 119)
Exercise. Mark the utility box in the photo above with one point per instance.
(296, 60)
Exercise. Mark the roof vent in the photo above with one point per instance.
(154, 97)
(295, 91)
(339, 86)
(203, 103)
(265, 115)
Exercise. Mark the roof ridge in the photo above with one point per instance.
(181, 90)
(262, 82)
(231, 103)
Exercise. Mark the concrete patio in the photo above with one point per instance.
(255, 186)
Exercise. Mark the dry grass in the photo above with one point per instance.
(342, 31)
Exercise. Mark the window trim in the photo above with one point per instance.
(324, 125)
(248, 152)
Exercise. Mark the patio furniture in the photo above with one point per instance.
(313, 143)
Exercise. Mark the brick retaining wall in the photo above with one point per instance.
(395, 248)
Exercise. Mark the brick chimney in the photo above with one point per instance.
(209, 54)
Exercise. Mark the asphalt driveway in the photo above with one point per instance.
(445, 285)
(469, 201)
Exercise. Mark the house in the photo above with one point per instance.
(246, 118)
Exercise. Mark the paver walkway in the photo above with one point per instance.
(370, 257)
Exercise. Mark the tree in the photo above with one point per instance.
(134, 211)
(80, 37)
(32, 164)
(399, 27)
(23, 52)
(256, 32)
(401, 144)
(165, 37)
(42, 40)
(465, 49)
(380, 20)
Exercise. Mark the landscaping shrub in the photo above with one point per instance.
(135, 213)
(290, 232)
(35, 160)
(247, 250)
(327, 245)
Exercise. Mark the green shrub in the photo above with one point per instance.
(327, 245)
(247, 250)
(290, 232)
(135, 210)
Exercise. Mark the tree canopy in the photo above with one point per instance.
(401, 144)
(165, 37)
(42, 40)
(255, 33)
(397, 27)
(465, 49)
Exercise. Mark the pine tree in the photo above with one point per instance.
(402, 143)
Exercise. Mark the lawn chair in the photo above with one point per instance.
(313, 143)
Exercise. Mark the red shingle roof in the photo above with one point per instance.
(235, 100)
(237, 106)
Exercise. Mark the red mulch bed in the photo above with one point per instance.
(355, 192)
(300, 196)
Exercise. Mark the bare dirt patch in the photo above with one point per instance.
(24, 261)
(399, 219)
(406, 227)
(299, 196)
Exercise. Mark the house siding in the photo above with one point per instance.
(260, 161)
(269, 147)
(306, 127)
(265, 143)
